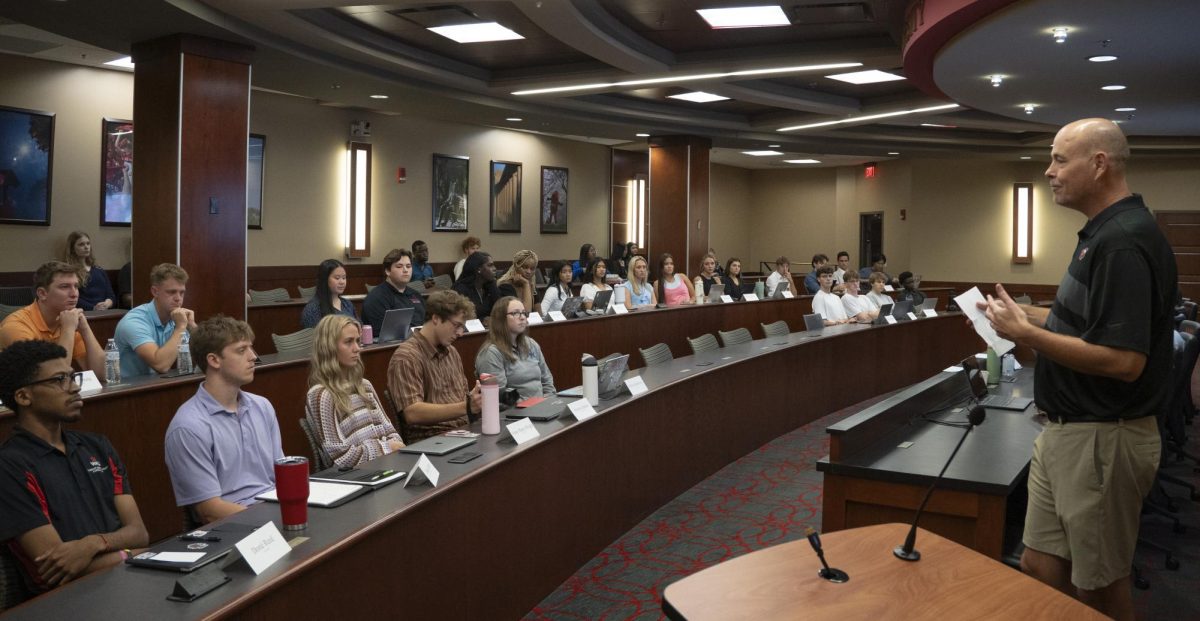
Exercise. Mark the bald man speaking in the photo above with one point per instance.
(1103, 373)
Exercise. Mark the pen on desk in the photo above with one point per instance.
(385, 473)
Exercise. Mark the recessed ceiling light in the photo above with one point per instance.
(126, 62)
(1113, 87)
(379, 96)
(686, 78)
(996, 79)
(745, 17)
(893, 153)
(1060, 34)
(869, 117)
(640, 135)
(476, 33)
(762, 153)
(698, 97)
(1028, 108)
(870, 76)
(1125, 109)
(772, 146)
(1026, 157)
(938, 125)
(1103, 58)
(514, 119)
(802, 161)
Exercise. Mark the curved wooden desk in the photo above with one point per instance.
(504, 530)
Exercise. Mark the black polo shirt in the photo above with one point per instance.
(1119, 291)
(74, 491)
(384, 298)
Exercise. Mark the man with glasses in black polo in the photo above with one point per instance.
(64, 495)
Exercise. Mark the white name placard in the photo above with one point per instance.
(726, 299)
(929, 312)
(521, 431)
(636, 385)
(557, 316)
(888, 288)
(90, 383)
(788, 294)
(263, 547)
(423, 472)
(750, 297)
(534, 318)
(619, 309)
(889, 319)
(581, 409)
(475, 325)
(912, 316)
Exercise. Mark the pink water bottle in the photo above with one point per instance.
(490, 388)
(368, 334)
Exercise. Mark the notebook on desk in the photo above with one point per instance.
(193, 550)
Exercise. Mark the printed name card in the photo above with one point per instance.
(888, 288)
(619, 309)
(423, 472)
(726, 299)
(557, 316)
(581, 409)
(929, 312)
(889, 319)
(475, 325)
(90, 383)
(750, 297)
(521, 431)
(636, 385)
(912, 316)
(534, 318)
(263, 547)
(787, 294)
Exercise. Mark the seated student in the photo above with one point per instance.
(149, 335)
(519, 281)
(825, 302)
(559, 290)
(639, 293)
(708, 273)
(910, 291)
(878, 264)
(394, 292)
(617, 263)
(673, 288)
(858, 307)
(96, 292)
(712, 252)
(422, 270)
(328, 300)
(345, 413)
(425, 375)
(810, 280)
(587, 254)
(65, 496)
(843, 266)
(222, 444)
(470, 246)
(782, 273)
(511, 355)
(733, 278)
(595, 275)
(478, 284)
(876, 295)
(53, 317)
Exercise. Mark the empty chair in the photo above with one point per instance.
(306, 293)
(779, 328)
(735, 337)
(656, 354)
(703, 343)
(321, 459)
(1187, 326)
(417, 286)
(16, 296)
(369, 287)
(271, 295)
(1023, 299)
(6, 310)
(443, 281)
(296, 341)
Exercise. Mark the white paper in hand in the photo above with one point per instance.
(983, 327)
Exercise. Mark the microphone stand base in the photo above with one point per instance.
(834, 575)
(907, 556)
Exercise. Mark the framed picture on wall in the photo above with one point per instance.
(116, 173)
(505, 200)
(26, 165)
(255, 154)
(450, 185)
(553, 208)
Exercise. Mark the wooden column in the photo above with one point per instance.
(678, 209)
(191, 106)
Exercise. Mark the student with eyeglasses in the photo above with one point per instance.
(65, 496)
(511, 355)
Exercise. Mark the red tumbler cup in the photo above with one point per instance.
(291, 486)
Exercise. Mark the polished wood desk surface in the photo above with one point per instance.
(949, 582)
(545, 508)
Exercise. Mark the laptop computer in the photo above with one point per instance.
(901, 309)
(715, 292)
(571, 306)
(928, 304)
(813, 325)
(549, 409)
(438, 445)
(397, 325)
(610, 370)
(980, 391)
(600, 302)
(884, 311)
(779, 289)
(193, 550)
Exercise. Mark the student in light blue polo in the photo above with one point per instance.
(149, 335)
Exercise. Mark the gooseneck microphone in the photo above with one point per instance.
(906, 551)
(826, 572)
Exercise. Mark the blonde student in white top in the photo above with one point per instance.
(876, 294)
(825, 302)
(559, 290)
(596, 271)
(858, 307)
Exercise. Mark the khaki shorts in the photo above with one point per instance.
(1086, 486)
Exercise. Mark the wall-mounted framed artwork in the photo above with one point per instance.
(553, 209)
(116, 172)
(256, 153)
(505, 202)
(450, 187)
(26, 166)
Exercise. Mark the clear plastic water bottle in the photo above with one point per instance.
(184, 361)
(699, 285)
(112, 362)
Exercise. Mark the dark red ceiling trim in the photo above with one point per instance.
(929, 24)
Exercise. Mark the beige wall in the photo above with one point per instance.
(730, 231)
(792, 214)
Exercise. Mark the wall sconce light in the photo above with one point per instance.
(358, 178)
(1022, 223)
(635, 214)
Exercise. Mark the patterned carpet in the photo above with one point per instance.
(768, 497)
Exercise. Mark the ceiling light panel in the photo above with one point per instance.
(685, 78)
(476, 33)
(802, 161)
(762, 153)
(699, 97)
(871, 76)
(745, 17)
